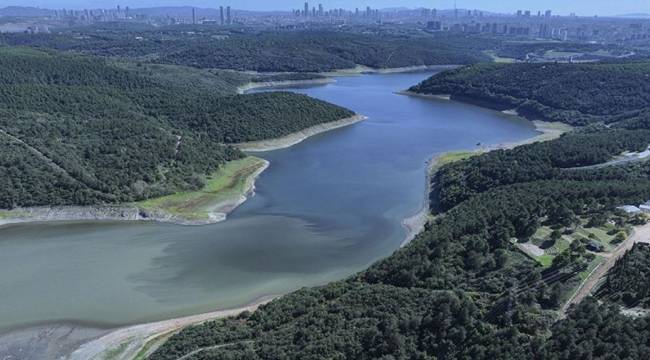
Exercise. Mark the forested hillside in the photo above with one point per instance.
(558, 160)
(576, 94)
(79, 130)
(627, 283)
(298, 51)
(522, 50)
(461, 289)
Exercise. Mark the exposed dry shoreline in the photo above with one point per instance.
(278, 84)
(360, 69)
(131, 339)
(297, 137)
(415, 224)
(126, 212)
(330, 75)
(547, 131)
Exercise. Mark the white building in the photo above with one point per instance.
(631, 209)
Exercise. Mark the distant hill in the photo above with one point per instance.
(267, 51)
(24, 11)
(635, 16)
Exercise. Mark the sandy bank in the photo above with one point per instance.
(297, 137)
(414, 225)
(217, 212)
(361, 69)
(127, 342)
(278, 84)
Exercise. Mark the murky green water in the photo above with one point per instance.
(325, 208)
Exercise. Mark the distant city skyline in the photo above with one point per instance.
(580, 7)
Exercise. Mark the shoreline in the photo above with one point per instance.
(329, 76)
(416, 223)
(129, 342)
(79, 341)
(279, 84)
(361, 69)
(127, 212)
(297, 137)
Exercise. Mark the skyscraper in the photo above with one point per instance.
(228, 16)
(194, 16)
(306, 13)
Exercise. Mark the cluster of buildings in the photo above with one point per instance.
(319, 12)
(633, 210)
(541, 24)
(91, 16)
(225, 17)
(221, 16)
(544, 26)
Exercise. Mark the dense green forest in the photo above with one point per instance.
(576, 94)
(461, 290)
(292, 51)
(559, 160)
(523, 50)
(80, 130)
(627, 283)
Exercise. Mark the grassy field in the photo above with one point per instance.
(605, 235)
(496, 58)
(452, 156)
(7, 214)
(227, 185)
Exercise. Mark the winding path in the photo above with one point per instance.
(51, 163)
(200, 350)
(41, 156)
(641, 235)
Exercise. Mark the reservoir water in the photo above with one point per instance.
(325, 208)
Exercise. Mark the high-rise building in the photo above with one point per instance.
(306, 13)
(228, 16)
(548, 13)
(320, 10)
(527, 13)
(194, 16)
(222, 17)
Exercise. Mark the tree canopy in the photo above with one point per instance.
(82, 130)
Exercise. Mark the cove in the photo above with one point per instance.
(326, 208)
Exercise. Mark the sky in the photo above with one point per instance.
(581, 7)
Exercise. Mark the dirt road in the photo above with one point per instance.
(641, 235)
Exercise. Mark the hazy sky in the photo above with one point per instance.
(582, 7)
